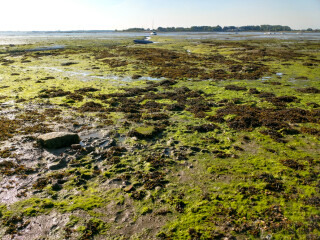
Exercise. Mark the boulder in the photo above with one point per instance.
(58, 139)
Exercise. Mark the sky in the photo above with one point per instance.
(41, 15)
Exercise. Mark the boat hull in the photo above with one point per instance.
(142, 41)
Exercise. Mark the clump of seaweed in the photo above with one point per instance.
(235, 88)
(92, 228)
(9, 168)
(52, 93)
(273, 184)
(291, 163)
(311, 131)
(92, 107)
(250, 117)
(309, 90)
(14, 224)
(86, 89)
(204, 128)
(8, 128)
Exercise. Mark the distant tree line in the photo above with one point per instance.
(261, 28)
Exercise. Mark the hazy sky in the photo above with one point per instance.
(122, 14)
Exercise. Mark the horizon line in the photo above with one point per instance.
(97, 30)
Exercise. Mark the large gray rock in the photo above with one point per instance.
(58, 139)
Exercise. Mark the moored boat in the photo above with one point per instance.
(139, 41)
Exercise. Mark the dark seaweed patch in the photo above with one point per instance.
(249, 117)
(292, 164)
(86, 89)
(204, 128)
(92, 107)
(52, 93)
(311, 131)
(309, 90)
(10, 168)
(273, 184)
(235, 88)
(14, 224)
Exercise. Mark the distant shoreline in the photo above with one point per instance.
(293, 31)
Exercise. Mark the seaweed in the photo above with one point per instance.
(235, 88)
(9, 168)
(92, 107)
(52, 93)
(309, 90)
(291, 163)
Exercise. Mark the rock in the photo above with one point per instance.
(76, 146)
(129, 188)
(56, 186)
(170, 142)
(58, 139)
(90, 149)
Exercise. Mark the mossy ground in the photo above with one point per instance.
(214, 139)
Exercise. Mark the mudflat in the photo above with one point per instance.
(181, 139)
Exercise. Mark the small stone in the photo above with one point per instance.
(170, 142)
(90, 148)
(76, 146)
(58, 139)
(56, 187)
(129, 188)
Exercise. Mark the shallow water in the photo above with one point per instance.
(46, 48)
(7, 38)
(88, 76)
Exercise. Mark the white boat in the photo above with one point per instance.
(153, 33)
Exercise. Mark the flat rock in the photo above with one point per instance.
(58, 139)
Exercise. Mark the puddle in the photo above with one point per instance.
(121, 139)
(279, 74)
(8, 104)
(265, 78)
(87, 76)
(128, 78)
(46, 48)
(268, 78)
(167, 151)
(96, 139)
